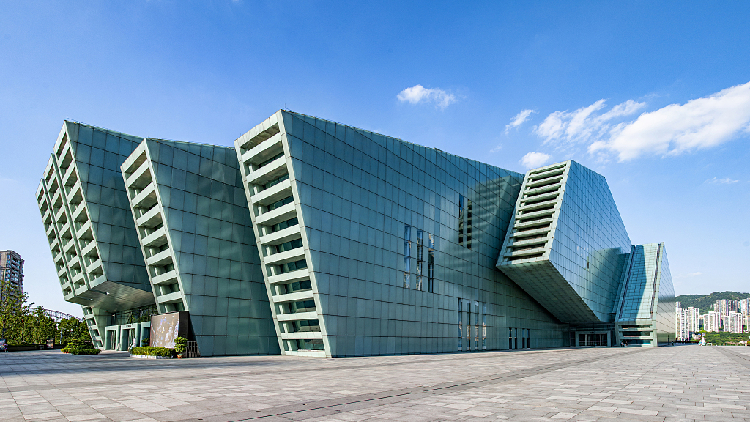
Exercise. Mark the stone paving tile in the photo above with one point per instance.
(685, 383)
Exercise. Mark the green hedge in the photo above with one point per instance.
(180, 345)
(86, 352)
(80, 350)
(153, 351)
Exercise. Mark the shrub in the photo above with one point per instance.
(153, 351)
(86, 351)
(144, 342)
(180, 345)
(78, 347)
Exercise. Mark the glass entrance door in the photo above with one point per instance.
(592, 339)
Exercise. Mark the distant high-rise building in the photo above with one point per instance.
(680, 326)
(733, 322)
(687, 322)
(725, 306)
(712, 321)
(744, 306)
(11, 268)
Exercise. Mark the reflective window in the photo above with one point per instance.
(460, 332)
(407, 255)
(460, 220)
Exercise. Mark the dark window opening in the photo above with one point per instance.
(291, 266)
(287, 246)
(420, 260)
(407, 255)
(279, 203)
(461, 220)
(468, 223)
(284, 224)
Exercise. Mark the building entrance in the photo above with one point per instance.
(592, 340)
(472, 317)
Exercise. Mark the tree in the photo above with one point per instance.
(73, 329)
(20, 323)
(41, 326)
(15, 314)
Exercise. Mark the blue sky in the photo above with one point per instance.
(654, 96)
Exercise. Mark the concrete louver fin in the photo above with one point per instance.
(151, 225)
(267, 174)
(565, 237)
(65, 203)
(196, 236)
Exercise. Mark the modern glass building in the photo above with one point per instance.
(320, 239)
(568, 248)
(90, 231)
(372, 245)
(645, 310)
(196, 235)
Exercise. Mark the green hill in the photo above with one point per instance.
(706, 302)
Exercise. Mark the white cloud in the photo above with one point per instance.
(725, 181)
(419, 94)
(534, 159)
(518, 119)
(497, 148)
(675, 129)
(584, 124)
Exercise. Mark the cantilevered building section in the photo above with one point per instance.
(196, 235)
(89, 227)
(567, 243)
(645, 311)
(372, 245)
(568, 248)
(355, 244)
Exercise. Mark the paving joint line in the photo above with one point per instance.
(277, 369)
(737, 357)
(329, 407)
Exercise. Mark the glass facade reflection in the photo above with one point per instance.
(567, 247)
(196, 235)
(314, 238)
(89, 226)
(362, 199)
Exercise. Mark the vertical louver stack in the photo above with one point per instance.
(196, 235)
(88, 225)
(264, 163)
(532, 227)
(152, 232)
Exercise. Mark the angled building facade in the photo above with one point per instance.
(371, 245)
(314, 238)
(90, 229)
(197, 238)
(645, 311)
(568, 248)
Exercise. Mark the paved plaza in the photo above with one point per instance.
(651, 384)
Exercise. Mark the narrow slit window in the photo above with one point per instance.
(407, 255)
(468, 223)
(431, 271)
(468, 325)
(420, 260)
(461, 220)
(460, 332)
(476, 325)
(484, 326)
